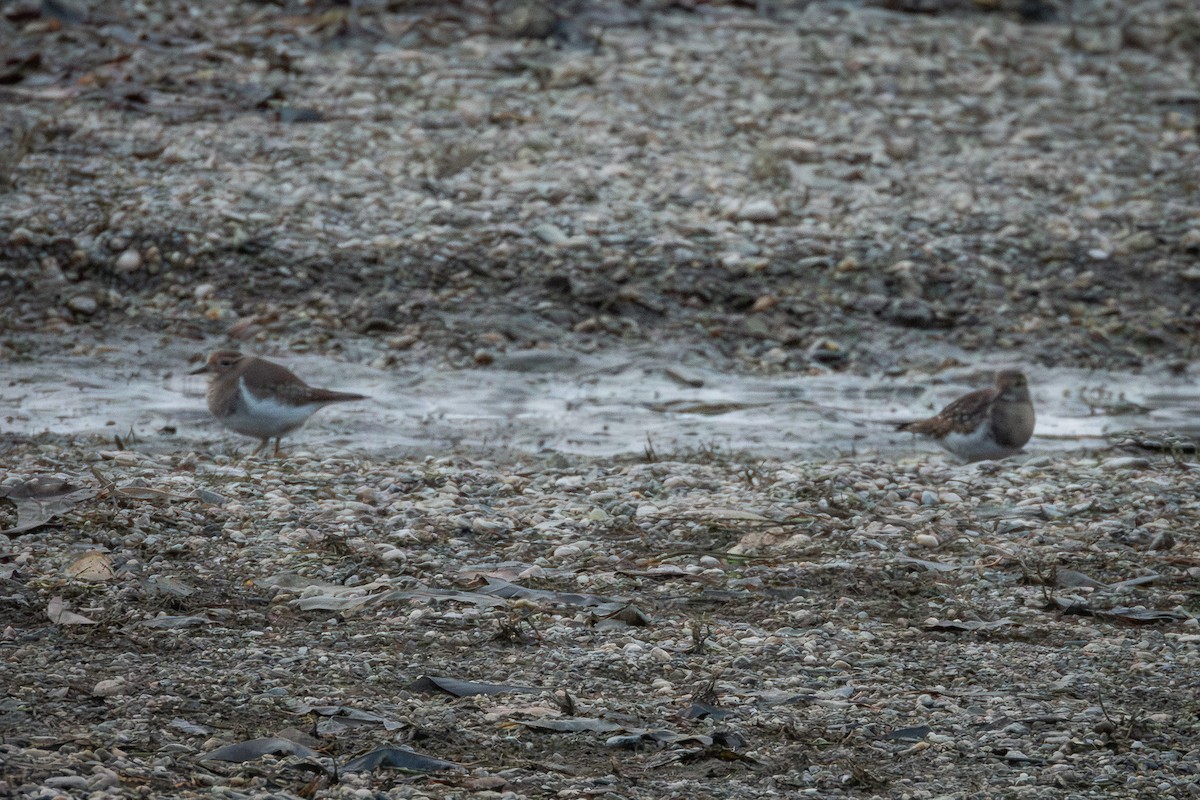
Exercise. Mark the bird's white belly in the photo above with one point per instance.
(978, 445)
(266, 417)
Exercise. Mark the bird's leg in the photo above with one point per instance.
(278, 442)
(261, 446)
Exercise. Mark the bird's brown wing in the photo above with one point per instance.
(961, 416)
(312, 395)
(268, 377)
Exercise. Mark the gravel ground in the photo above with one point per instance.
(705, 628)
(824, 185)
(805, 187)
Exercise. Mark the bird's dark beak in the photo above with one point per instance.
(199, 370)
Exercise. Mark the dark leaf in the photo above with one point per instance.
(431, 684)
(625, 613)
(968, 625)
(351, 715)
(703, 710)
(472, 598)
(635, 738)
(395, 758)
(175, 622)
(932, 566)
(572, 725)
(1017, 757)
(914, 734)
(165, 585)
(1138, 581)
(1144, 615)
(502, 588)
(257, 748)
(39, 500)
(15, 69)
(1070, 579)
(190, 728)
(730, 739)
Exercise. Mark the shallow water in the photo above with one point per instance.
(616, 403)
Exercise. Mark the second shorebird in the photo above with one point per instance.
(257, 398)
(984, 424)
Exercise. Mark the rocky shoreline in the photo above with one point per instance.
(803, 189)
(653, 629)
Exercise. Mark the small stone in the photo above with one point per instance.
(551, 234)
(21, 236)
(1124, 462)
(113, 687)
(566, 551)
(530, 19)
(800, 150)
(129, 261)
(764, 302)
(402, 342)
(1138, 242)
(760, 210)
(1162, 541)
(901, 148)
(68, 782)
(826, 351)
(204, 291)
(83, 304)
(927, 540)
(776, 355)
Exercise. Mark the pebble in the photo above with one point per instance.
(68, 782)
(567, 551)
(129, 261)
(760, 210)
(776, 355)
(551, 234)
(22, 236)
(1124, 462)
(801, 150)
(113, 687)
(83, 304)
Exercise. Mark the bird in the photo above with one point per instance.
(257, 398)
(985, 424)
